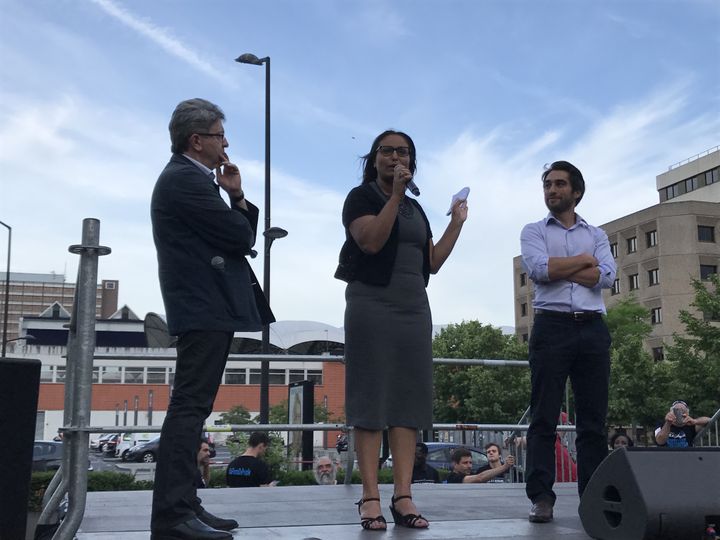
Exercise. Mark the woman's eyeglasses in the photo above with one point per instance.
(387, 151)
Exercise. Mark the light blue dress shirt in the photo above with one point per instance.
(549, 238)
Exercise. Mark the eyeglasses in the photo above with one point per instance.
(387, 151)
(220, 135)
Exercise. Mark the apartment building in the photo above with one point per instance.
(658, 250)
(31, 294)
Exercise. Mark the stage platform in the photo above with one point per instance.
(455, 511)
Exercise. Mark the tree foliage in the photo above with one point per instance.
(638, 385)
(695, 357)
(479, 393)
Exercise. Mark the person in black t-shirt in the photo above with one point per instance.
(462, 469)
(422, 472)
(678, 428)
(248, 470)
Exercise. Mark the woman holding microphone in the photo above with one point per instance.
(387, 259)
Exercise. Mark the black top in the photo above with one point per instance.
(455, 477)
(679, 436)
(374, 269)
(247, 471)
(425, 475)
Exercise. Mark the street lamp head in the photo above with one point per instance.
(274, 233)
(250, 58)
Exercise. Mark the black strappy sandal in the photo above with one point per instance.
(407, 520)
(366, 522)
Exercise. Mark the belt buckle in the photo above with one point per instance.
(578, 315)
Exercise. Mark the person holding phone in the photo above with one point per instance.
(387, 260)
(678, 429)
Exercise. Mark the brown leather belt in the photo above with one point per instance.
(571, 315)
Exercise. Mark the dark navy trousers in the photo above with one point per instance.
(201, 359)
(562, 348)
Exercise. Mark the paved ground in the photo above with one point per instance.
(456, 512)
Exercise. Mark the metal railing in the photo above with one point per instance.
(709, 435)
(693, 158)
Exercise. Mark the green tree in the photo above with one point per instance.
(278, 413)
(479, 393)
(237, 414)
(695, 357)
(638, 384)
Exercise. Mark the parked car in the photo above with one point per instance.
(47, 456)
(108, 447)
(440, 456)
(129, 440)
(96, 444)
(146, 452)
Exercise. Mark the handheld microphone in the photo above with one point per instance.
(413, 188)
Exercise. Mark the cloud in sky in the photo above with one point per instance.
(81, 139)
(163, 38)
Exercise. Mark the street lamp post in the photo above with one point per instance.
(270, 234)
(7, 288)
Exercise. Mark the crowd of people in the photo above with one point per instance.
(204, 228)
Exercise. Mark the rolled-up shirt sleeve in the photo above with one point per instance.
(607, 266)
(534, 252)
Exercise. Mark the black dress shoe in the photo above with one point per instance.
(192, 529)
(216, 522)
(541, 512)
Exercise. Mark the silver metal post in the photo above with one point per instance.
(84, 331)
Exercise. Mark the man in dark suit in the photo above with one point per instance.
(207, 288)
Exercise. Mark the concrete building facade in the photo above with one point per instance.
(658, 250)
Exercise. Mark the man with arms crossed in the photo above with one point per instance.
(207, 288)
(570, 263)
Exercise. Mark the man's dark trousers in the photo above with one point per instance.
(201, 358)
(562, 348)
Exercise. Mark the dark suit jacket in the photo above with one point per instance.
(206, 282)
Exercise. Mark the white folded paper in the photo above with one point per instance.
(461, 195)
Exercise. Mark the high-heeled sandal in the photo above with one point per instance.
(407, 520)
(366, 522)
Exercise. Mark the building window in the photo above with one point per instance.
(523, 279)
(254, 376)
(235, 376)
(658, 354)
(96, 375)
(314, 375)
(653, 276)
(613, 250)
(59, 373)
(524, 338)
(134, 375)
(691, 184)
(110, 374)
(156, 375)
(712, 176)
(109, 284)
(706, 234)
(632, 244)
(651, 238)
(633, 282)
(46, 374)
(615, 288)
(277, 376)
(297, 375)
(656, 315)
(706, 270)
(523, 309)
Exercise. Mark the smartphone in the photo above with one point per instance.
(679, 419)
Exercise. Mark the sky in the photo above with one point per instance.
(489, 91)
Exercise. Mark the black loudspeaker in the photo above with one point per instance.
(19, 387)
(658, 493)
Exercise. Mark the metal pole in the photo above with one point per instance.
(265, 364)
(85, 294)
(7, 286)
